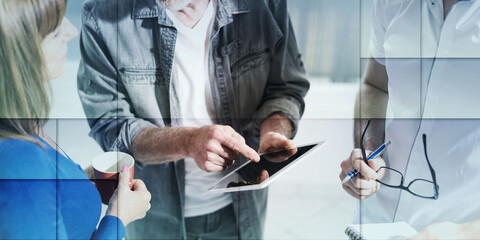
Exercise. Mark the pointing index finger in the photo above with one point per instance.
(242, 148)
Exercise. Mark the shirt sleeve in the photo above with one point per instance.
(110, 227)
(287, 83)
(105, 100)
(378, 31)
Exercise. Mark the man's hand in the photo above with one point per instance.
(363, 185)
(449, 230)
(261, 178)
(273, 141)
(274, 134)
(216, 147)
(442, 230)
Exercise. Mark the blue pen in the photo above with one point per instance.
(375, 154)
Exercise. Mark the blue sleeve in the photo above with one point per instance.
(110, 227)
(28, 179)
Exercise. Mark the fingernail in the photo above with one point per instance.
(263, 174)
(124, 168)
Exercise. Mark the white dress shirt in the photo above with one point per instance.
(433, 66)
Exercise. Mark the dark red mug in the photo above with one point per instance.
(106, 168)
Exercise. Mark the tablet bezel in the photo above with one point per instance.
(270, 179)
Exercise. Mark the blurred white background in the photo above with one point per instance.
(307, 202)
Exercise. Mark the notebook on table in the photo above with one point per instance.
(383, 231)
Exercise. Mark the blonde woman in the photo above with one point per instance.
(44, 194)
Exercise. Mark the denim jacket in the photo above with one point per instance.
(127, 83)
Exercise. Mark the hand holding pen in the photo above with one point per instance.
(375, 154)
(364, 185)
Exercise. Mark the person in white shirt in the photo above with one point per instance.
(421, 87)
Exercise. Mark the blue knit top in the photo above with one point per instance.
(44, 195)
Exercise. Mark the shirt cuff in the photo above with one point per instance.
(110, 227)
(128, 132)
(285, 107)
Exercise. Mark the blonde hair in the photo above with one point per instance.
(24, 101)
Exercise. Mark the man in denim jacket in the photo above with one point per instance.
(132, 85)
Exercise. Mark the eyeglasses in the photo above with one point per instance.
(419, 187)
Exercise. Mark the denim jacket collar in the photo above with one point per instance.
(150, 9)
(226, 8)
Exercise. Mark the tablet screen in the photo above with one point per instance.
(245, 176)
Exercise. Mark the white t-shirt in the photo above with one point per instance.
(433, 67)
(196, 107)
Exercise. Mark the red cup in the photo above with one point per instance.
(106, 168)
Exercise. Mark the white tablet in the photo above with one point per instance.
(234, 181)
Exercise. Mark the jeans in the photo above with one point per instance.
(217, 225)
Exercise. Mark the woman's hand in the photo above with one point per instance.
(126, 204)
(89, 172)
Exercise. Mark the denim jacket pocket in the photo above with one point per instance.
(142, 76)
(249, 79)
(148, 93)
(249, 62)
